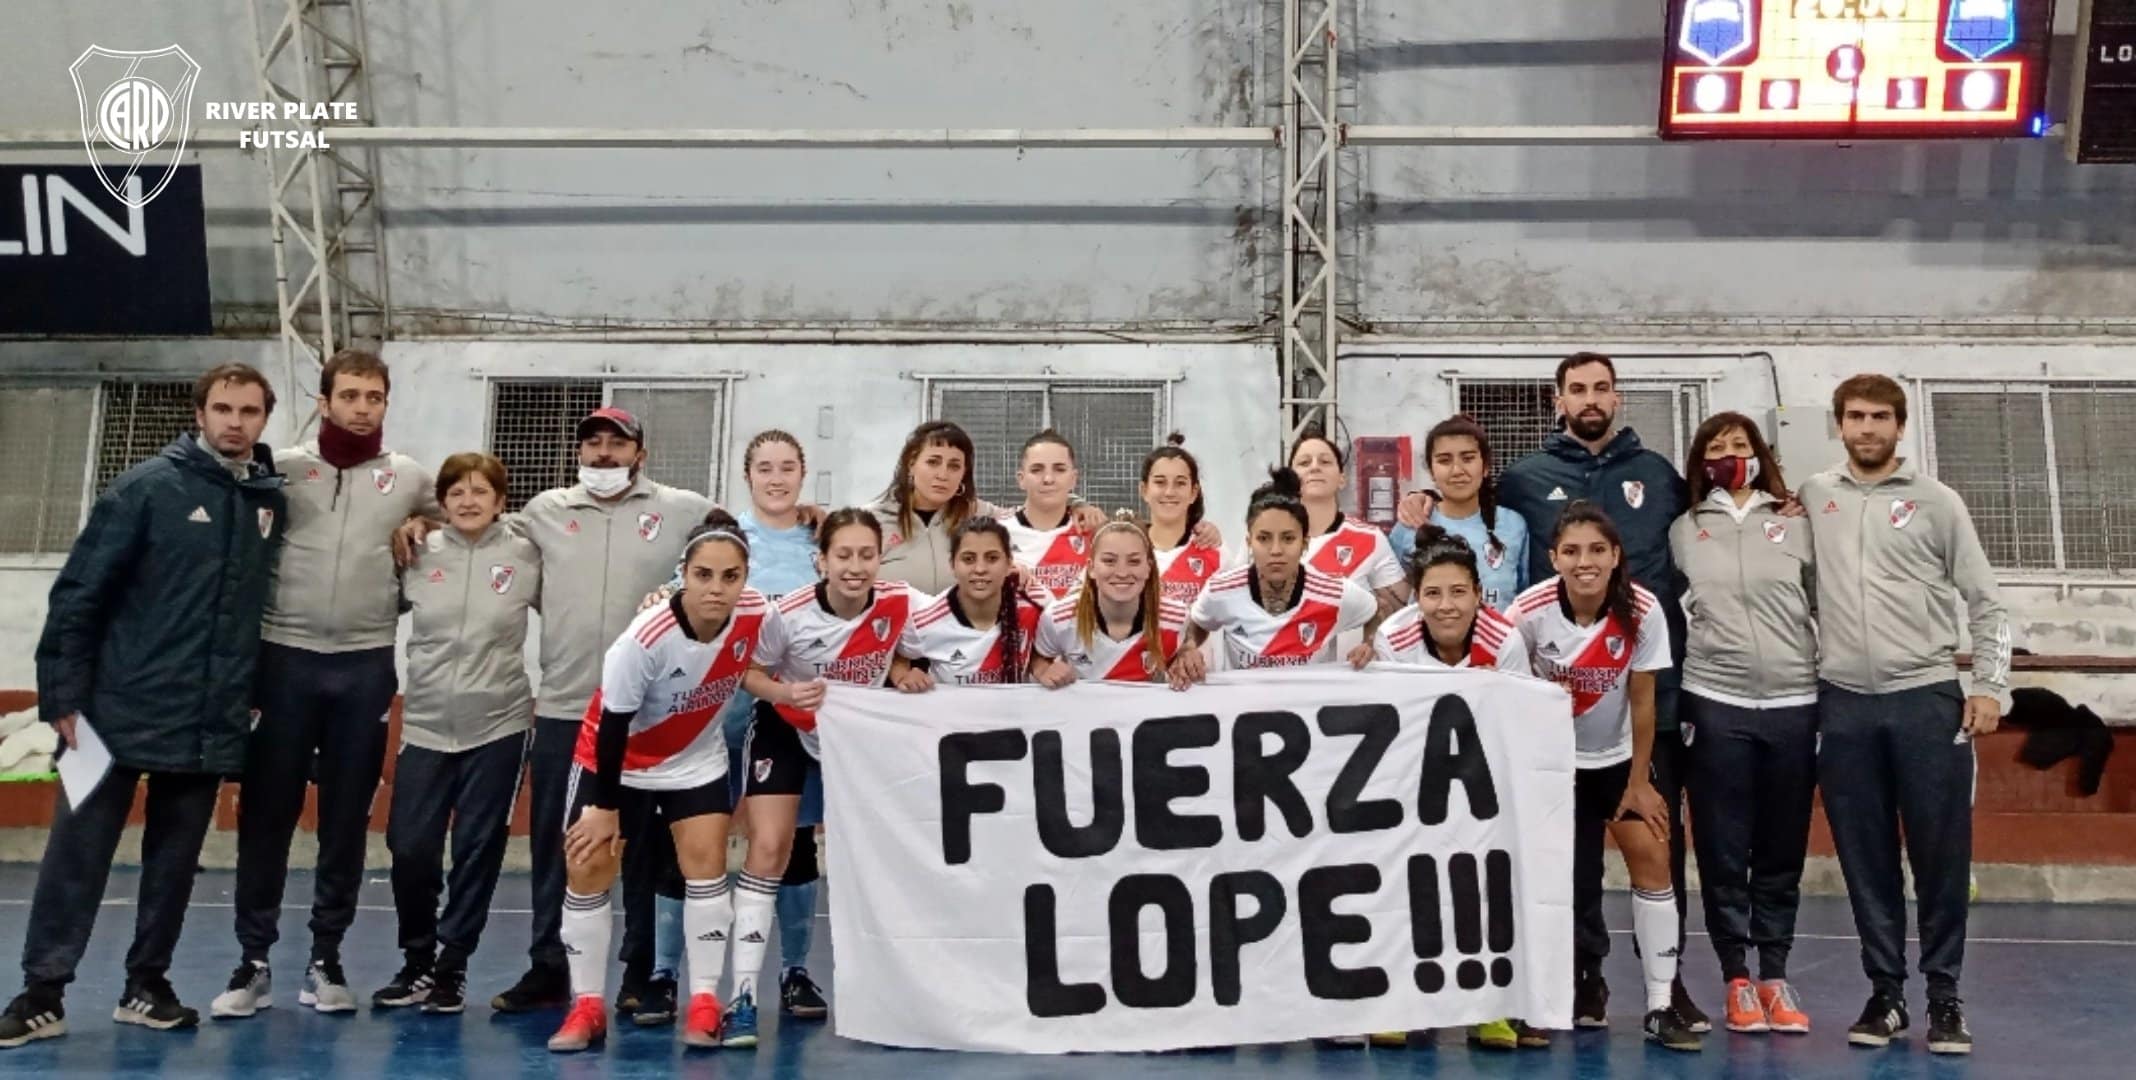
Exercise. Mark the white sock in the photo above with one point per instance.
(1654, 928)
(586, 930)
(707, 914)
(754, 901)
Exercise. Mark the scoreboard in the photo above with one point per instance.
(2103, 123)
(1855, 69)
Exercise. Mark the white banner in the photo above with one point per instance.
(1274, 856)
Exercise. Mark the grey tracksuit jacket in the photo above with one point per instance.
(598, 561)
(920, 559)
(1749, 605)
(1895, 559)
(334, 589)
(467, 634)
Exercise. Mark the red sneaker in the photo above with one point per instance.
(585, 1025)
(1745, 1010)
(701, 1028)
(1782, 1008)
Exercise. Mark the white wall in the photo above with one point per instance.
(439, 407)
(1110, 237)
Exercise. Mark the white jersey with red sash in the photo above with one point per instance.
(820, 645)
(1494, 642)
(1055, 557)
(1594, 664)
(1358, 552)
(674, 689)
(1104, 659)
(1185, 570)
(960, 654)
(1256, 638)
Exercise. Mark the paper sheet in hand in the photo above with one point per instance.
(83, 766)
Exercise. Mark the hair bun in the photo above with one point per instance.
(1176, 438)
(1282, 480)
(718, 518)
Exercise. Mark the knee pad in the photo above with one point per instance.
(801, 866)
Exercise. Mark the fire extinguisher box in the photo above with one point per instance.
(1380, 467)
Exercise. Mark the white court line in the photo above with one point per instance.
(1969, 941)
(120, 901)
(2108, 942)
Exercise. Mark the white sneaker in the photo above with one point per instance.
(251, 989)
(325, 988)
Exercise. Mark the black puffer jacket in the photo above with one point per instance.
(153, 627)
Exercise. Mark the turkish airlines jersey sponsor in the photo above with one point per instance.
(1594, 664)
(673, 689)
(1494, 643)
(1255, 638)
(1106, 660)
(820, 645)
(1358, 552)
(1055, 557)
(1184, 570)
(961, 655)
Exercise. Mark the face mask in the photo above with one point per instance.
(605, 483)
(1731, 473)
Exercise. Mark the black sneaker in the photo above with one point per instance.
(1946, 1027)
(411, 987)
(1670, 1030)
(1680, 1002)
(448, 991)
(656, 1003)
(151, 1002)
(1883, 1020)
(31, 1017)
(542, 987)
(801, 998)
(1590, 1001)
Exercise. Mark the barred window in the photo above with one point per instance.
(2043, 470)
(533, 429)
(68, 442)
(44, 433)
(1519, 413)
(682, 431)
(1113, 425)
(140, 418)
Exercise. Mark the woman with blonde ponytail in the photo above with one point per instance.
(1116, 626)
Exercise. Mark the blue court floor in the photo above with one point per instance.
(2051, 991)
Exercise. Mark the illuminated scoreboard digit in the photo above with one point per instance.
(1855, 69)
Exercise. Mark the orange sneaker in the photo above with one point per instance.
(585, 1025)
(1782, 1009)
(1745, 1011)
(701, 1027)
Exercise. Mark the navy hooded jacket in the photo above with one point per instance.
(1638, 488)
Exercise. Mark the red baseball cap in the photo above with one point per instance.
(621, 420)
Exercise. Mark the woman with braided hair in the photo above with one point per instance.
(1465, 504)
(980, 631)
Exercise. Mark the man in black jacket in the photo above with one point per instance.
(149, 641)
(1594, 459)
